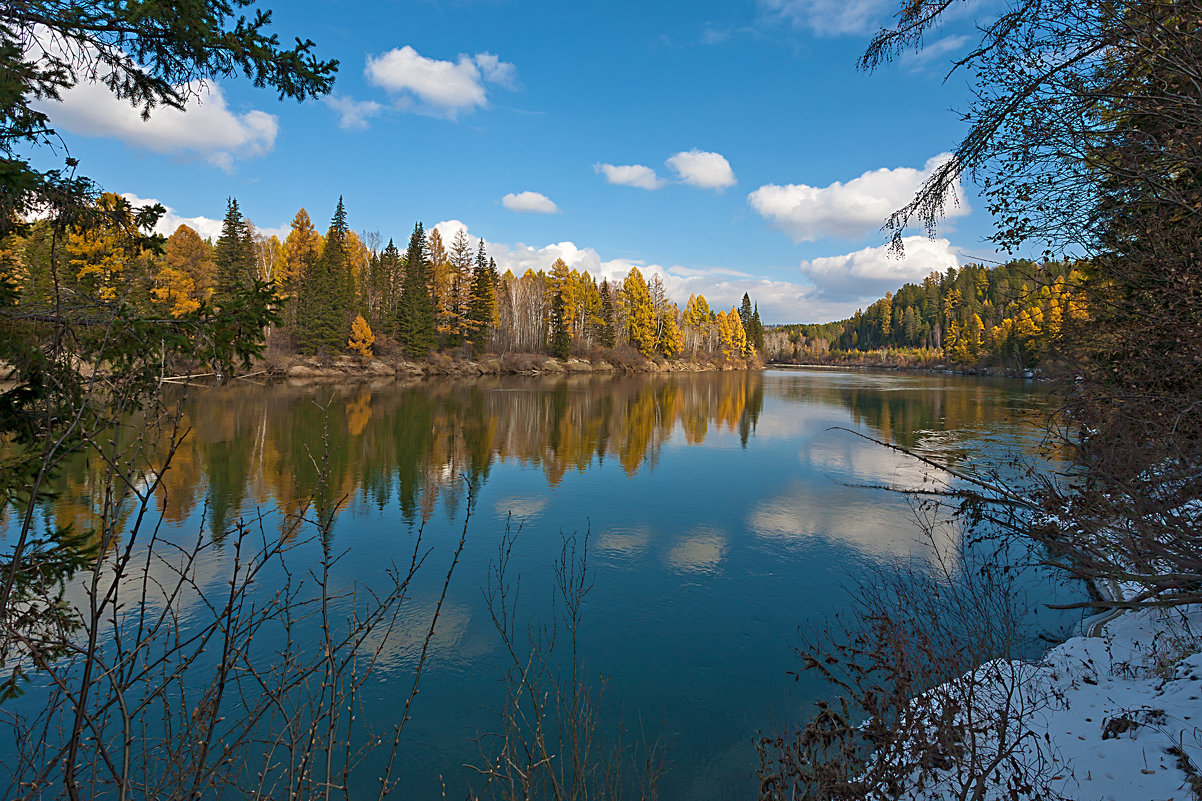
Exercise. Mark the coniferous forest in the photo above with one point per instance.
(1015, 317)
(343, 292)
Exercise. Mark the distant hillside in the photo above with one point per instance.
(1012, 317)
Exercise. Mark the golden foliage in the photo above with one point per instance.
(362, 337)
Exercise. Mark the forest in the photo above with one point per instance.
(1015, 316)
(345, 292)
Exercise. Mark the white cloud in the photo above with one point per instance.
(703, 169)
(207, 128)
(848, 210)
(869, 273)
(920, 60)
(441, 88)
(497, 71)
(207, 227)
(630, 175)
(353, 114)
(779, 301)
(531, 202)
(831, 17)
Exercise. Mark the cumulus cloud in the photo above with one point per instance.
(529, 202)
(873, 271)
(830, 17)
(441, 88)
(354, 114)
(779, 301)
(207, 227)
(703, 169)
(630, 175)
(848, 210)
(207, 128)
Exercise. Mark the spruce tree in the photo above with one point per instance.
(482, 307)
(605, 329)
(415, 312)
(234, 256)
(560, 341)
(757, 330)
(745, 312)
(328, 292)
(390, 268)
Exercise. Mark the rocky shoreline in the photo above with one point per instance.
(348, 368)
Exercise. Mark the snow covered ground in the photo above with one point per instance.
(1116, 713)
(1129, 722)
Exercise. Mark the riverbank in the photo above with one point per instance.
(988, 372)
(349, 368)
(1113, 713)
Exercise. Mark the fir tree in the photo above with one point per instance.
(234, 256)
(483, 306)
(757, 330)
(415, 311)
(605, 328)
(327, 292)
(560, 342)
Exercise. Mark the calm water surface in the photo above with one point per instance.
(723, 511)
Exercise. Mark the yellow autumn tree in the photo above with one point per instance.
(671, 339)
(175, 290)
(640, 313)
(732, 339)
(362, 337)
(187, 253)
(103, 255)
(697, 322)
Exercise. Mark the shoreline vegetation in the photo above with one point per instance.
(441, 364)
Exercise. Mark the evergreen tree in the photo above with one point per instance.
(415, 311)
(234, 255)
(302, 248)
(560, 341)
(390, 278)
(745, 312)
(605, 329)
(327, 292)
(482, 309)
(757, 330)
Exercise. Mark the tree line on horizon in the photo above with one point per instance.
(1014, 315)
(347, 292)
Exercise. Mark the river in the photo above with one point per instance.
(722, 512)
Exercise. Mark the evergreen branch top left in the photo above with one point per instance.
(149, 53)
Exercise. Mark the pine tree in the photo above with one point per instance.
(327, 292)
(757, 330)
(391, 277)
(605, 328)
(234, 255)
(560, 341)
(483, 306)
(415, 311)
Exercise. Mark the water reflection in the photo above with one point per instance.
(699, 551)
(725, 509)
(419, 445)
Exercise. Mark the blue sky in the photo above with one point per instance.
(730, 147)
